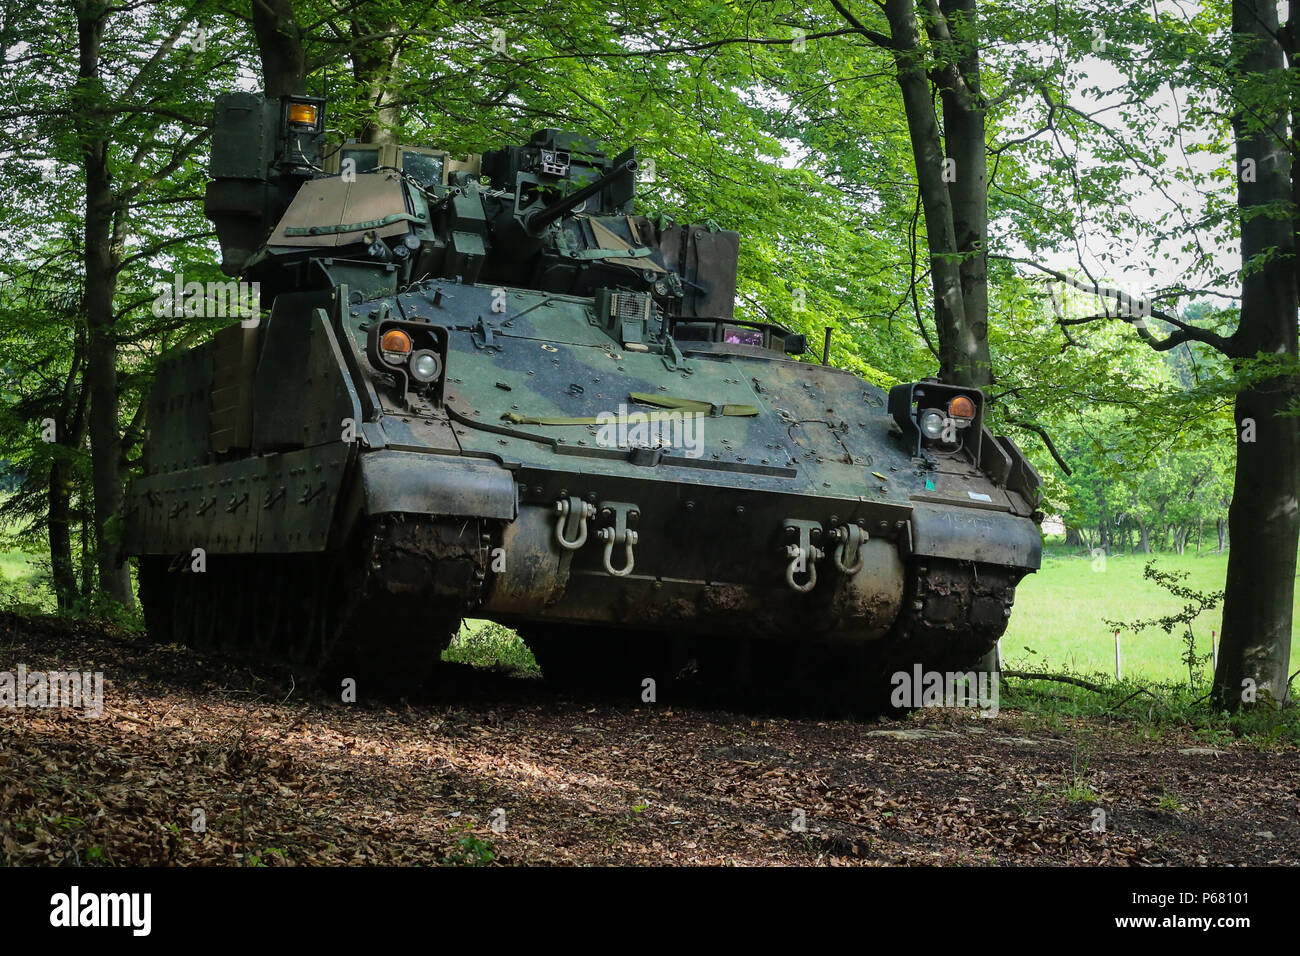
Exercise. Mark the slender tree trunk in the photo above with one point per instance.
(1256, 644)
(101, 237)
(59, 503)
(70, 422)
(963, 135)
(927, 150)
(87, 543)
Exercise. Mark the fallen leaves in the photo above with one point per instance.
(200, 762)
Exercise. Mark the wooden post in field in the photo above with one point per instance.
(1119, 667)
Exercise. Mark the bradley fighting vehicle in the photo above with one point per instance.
(486, 386)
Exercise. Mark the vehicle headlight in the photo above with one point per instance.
(425, 366)
(931, 422)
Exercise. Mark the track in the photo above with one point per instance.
(379, 611)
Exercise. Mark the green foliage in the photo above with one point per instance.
(1170, 801)
(98, 606)
(487, 644)
(470, 851)
(1077, 787)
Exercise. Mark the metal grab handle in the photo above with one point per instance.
(609, 536)
(795, 553)
(564, 508)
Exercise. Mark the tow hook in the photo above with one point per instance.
(848, 548)
(803, 553)
(571, 525)
(623, 514)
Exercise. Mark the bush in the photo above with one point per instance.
(486, 644)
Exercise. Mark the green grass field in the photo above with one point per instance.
(15, 565)
(24, 580)
(1058, 621)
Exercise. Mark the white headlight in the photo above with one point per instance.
(425, 366)
(931, 423)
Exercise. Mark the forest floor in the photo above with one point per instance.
(198, 761)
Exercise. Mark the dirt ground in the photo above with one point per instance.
(504, 770)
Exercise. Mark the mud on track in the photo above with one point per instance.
(285, 777)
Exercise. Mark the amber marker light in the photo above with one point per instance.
(961, 408)
(395, 346)
(304, 113)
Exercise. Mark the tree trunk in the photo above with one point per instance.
(373, 65)
(60, 534)
(1257, 604)
(87, 543)
(955, 340)
(70, 422)
(279, 44)
(963, 135)
(102, 236)
(1256, 644)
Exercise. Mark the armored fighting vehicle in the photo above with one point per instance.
(485, 386)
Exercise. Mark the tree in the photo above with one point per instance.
(107, 92)
(1256, 643)
(1238, 72)
(950, 167)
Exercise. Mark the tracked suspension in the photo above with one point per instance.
(379, 610)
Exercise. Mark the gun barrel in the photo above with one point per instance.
(537, 220)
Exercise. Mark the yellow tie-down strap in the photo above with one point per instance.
(675, 406)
